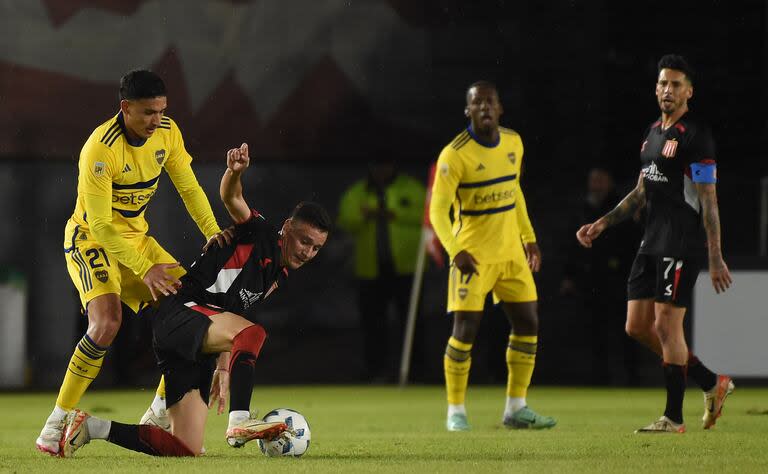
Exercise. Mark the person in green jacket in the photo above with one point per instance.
(383, 213)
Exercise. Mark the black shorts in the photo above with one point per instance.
(666, 279)
(178, 329)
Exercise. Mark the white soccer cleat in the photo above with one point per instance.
(663, 425)
(715, 399)
(457, 422)
(50, 436)
(160, 419)
(76, 433)
(251, 429)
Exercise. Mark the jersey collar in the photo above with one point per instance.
(129, 140)
(482, 142)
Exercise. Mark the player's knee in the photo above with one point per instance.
(635, 330)
(103, 330)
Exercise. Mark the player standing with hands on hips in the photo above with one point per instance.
(677, 187)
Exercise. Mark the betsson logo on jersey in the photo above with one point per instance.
(494, 196)
(652, 173)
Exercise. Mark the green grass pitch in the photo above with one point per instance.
(384, 429)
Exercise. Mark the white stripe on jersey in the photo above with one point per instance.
(224, 280)
(690, 194)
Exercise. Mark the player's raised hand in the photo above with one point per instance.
(466, 263)
(589, 232)
(238, 158)
(223, 238)
(533, 255)
(158, 280)
(720, 275)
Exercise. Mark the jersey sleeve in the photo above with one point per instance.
(702, 160)
(257, 225)
(179, 169)
(447, 178)
(521, 208)
(98, 168)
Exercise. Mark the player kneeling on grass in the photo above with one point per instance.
(198, 328)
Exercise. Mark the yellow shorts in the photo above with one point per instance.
(510, 281)
(95, 272)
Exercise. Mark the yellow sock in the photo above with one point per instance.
(521, 358)
(160, 392)
(456, 362)
(83, 368)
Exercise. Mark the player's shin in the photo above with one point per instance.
(84, 366)
(456, 362)
(704, 378)
(521, 359)
(246, 346)
(147, 439)
(674, 378)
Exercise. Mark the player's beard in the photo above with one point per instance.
(670, 108)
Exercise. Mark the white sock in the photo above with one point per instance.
(56, 415)
(456, 410)
(158, 405)
(514, 404)
(237, 417)
(98, 428)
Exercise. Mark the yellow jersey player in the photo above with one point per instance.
(109, 255)
(492, 247)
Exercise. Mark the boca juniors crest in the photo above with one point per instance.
(160, 156)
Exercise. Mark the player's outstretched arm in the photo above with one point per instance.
(632, 202)
(718, 270)
(231, 189)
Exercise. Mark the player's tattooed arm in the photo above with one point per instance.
(632, 202)
(718, 270)
(710, 216)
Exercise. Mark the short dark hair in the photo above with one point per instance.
(313, 214)
(141, 84)
(481, 83)
(678, 63)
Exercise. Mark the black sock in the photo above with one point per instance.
(241, 379)
(704, 378)
(147, 439)
(674, 378)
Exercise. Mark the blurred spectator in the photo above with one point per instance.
(384, 214)
(597, 277)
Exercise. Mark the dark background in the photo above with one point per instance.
(576, 79)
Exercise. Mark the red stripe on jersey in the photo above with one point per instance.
(708, 161)
(680, 127)
(238, 259)
(206, 311)
(656, 124)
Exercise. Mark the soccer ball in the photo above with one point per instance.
(288, 444)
